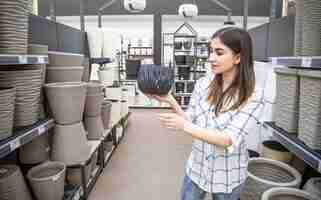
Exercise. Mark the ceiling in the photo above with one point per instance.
(206, 7)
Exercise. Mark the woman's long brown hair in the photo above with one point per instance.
(243, 84)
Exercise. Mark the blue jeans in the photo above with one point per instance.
(190, 191)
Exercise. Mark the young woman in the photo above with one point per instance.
(223, 108)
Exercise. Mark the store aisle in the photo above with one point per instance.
(147, 165)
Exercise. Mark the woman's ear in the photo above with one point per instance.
(237, 59)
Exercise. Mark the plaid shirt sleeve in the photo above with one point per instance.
(244, 120)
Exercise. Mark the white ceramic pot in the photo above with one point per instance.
(108, 75)
(94, 126)
(64, 74)
(69, 144)
(48, 180)
(124, 108)
(95, 40)
(67, 101)
(115, 114)
(113, 93)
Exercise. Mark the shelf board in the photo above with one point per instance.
(100, 61)
(311, 62)
(73, 192)
(296, 146)
(8, 59)
(24, 135)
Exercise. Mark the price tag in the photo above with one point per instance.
(306, 62)
(41, 129)
(14, 144)
(23, 59)
(41, 59)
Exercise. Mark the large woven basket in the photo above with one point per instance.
(264, 174)
(310, 108)
(287, 99)
(281, 193)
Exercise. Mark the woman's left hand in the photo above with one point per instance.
(172, 121)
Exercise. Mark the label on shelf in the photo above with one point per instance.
(41, 59)
(14, 144)
(23, 59)
(41, 129)
(306, 62)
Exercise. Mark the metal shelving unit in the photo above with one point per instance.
(310, 62)
(8, 59)
(24, 135)
(296, 146)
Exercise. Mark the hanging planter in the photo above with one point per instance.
(153, 79)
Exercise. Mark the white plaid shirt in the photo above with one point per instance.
(215, 169)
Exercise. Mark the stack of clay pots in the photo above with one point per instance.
(67, 103)
(27, 81)
(92, 115)
(7, 102)
(12, 184)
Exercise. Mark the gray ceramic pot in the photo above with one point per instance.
(64, 74)
(105, 113)
(94, 126)
(69, 144)
(36, 151)
(313, 186)
(12, 184)
(93, 105)
(65, 59)
(67, 101)
(114, 93)
(47, 180)
(115, 115)
(283, 193)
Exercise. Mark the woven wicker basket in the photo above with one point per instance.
(287, 99)
(310, 108)
(264, 174)
(274, 150)
(282, 193)
(313, 186)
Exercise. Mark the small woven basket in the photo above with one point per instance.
(281, 193)
(310, 108)
(264, 174)
(287, 99)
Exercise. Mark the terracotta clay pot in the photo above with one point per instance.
(67, 101)
(47, 180)
(94, 126)
(12, 184)
(69, 144)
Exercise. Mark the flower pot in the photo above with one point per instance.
(7, 102)
(94, 126)
(115, 114)
(276, 151)
(64, 74)
(154, 79)
(60, 59)
(67, 101)
(283, 193)
(12, 184)
(108, 75)
(37, 151)
(69, 144)
(105, 113)
(47, 180)
(313, 186)
(264, 174)
(93, 105)
(113, 93)
(124, 108)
